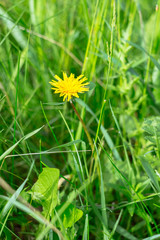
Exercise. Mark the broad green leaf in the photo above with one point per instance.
(73, 195)
(147, 127)
(46, 188)
(151, 139)
(152, 127)
(70, 216)
(151, 124)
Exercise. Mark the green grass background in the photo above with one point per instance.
(116, 45)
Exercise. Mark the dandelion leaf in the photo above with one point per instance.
(70, 216)
(46, 188)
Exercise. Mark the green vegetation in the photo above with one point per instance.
(54, 185)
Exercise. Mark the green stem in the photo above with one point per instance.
(89, 139)
(84, 126)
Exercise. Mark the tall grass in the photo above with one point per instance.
(115, 44)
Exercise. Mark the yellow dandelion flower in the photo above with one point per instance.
(70, 86)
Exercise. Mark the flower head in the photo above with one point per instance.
(69, 86)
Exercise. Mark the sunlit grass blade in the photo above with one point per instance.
(86, 229)
(157, 236)
(13, 28)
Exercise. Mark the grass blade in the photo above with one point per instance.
(9, 150)
(151, 174)
(103, 130)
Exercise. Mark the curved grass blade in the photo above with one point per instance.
(35, 214)
(151, 174)
(116, 225)
(8, 151)
(103, 130)
(17, 34)
(157, 236)
(14, 197)
(123, 232)
(143, 50)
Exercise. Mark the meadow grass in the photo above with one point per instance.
(54, 184)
